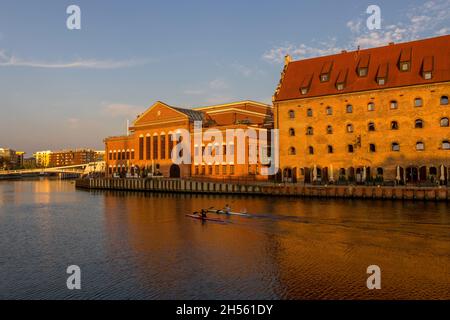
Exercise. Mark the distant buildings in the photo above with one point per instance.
(42, 159)
(8, 159)
(65, 158)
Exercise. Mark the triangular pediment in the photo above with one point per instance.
(159, 112)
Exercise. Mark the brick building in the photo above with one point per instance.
(374, 114)
(71, 157)
(149, 145)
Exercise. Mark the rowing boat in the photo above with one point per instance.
(229, 213)
(194, 216)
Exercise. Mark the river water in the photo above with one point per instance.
(141, 246)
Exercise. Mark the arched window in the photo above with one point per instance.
(329, 129)
(394, 125)
(350, 148)
(311, 150)
(418, 102)
(330, 149)
(349, 108)
(446, 145)
(309, 112)
(418, 124)
(291, 114)
(349, 128)
(371, 106)
(371, 126)
(420, 146)
(329, 111)
(394, 104)
(395, 146)
(309, 131)
(372, 147)
(444, 100)
(342, 172)
(444, 122)
(380, 171)
(292, 132)
(292, 151)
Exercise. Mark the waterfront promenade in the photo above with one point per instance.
(269, 189)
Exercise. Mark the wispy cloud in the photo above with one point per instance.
(426, 20)
(7, 60)
(301, 51)
(120, 110)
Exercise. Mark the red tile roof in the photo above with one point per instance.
(423, 55)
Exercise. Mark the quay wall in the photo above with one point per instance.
(331, 191)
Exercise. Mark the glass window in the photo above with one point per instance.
(309, 131)
(371, 106)
(418, 124)
(446, 145)
(372, 148)
(309, 113)
(420, 146)
(330, 149)
(395, 146)
(329, 111)
(291, 114)
(371, 126)
(311, 150)
(349, 108)
(394, 125)
(292, 132)
(444, 122)
(444, 100)
(350, 148)
(394, 104)
(329, 129)
(292, 151)
(418, 102)
(349, 128)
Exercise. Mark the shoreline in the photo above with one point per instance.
(259, 189)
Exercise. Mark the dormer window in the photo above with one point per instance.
(405, 60)
(363, 65)
(341, 80)
(404, 66)
(324, 77)
(306, 84)
(362, 72)
(325, 72)
(427, 75)
(382, 74)
(427, 68)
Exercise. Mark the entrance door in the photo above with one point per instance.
(175, 171)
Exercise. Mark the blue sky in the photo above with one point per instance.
(62, 88)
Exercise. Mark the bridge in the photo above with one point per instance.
(79, 170)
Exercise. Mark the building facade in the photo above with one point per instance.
(72, 157)
(147, 149)
(8, 159)
(372, 115)
(42, 159)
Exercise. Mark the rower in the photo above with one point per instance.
(227, 209)
(203, 213)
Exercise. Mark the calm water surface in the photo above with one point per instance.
(141, 246)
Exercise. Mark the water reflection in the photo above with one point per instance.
(137, 245)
